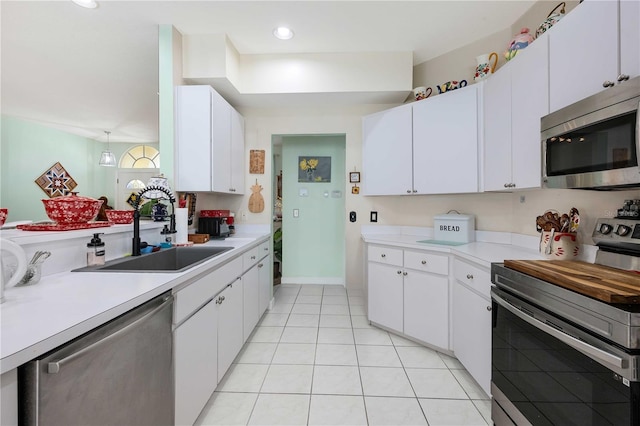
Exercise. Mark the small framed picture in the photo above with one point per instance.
(354, 177)
(355, 190)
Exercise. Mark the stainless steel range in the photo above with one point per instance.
(562, 357)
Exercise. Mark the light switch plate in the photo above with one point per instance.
(373, 217)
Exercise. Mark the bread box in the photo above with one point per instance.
(454, 227)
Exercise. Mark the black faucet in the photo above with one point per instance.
(135, 248)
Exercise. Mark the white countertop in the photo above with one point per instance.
(62, 306)
(483, 253)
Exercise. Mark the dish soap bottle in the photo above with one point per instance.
(95, 251)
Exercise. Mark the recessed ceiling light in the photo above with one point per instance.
(89, 4)
(283, 33)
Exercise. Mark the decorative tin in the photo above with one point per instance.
(457, 227)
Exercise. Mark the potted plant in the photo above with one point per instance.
(277, 252)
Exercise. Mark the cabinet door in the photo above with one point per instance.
(386, 152)
(530, 102)
(497, 129)
(385, 295)
(251, 300)
(193, 138)
(574, 72)
(426, 308)
(229, 326)
(264, 272)
(196, 365)
(237, 153)
(445, 143)
(221, 143)
(472, 334)
(630, 37)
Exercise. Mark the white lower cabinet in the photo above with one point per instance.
(196, 363)
(230, 331)
(426, 307)
(386, 295)
(265, 284)
(9, 398)
(251, 300)
(408, 292)
(472, 321)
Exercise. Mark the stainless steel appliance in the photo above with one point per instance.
(560, 357)
(594, 143)
(118, 374)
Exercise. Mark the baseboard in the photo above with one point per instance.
(313, 280)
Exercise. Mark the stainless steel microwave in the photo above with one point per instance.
(594, 143)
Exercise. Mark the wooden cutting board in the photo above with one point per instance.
(610, 285)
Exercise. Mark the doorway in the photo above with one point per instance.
(313, 208)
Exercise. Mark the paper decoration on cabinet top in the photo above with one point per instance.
(56, 181)
(256, 161)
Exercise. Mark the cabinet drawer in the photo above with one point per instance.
(386, 255)
(474, 276)
(427, 262)
(250, 258)
(195, 295)
(264, 249)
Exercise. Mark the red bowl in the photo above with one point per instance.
(72, 208)
(3, 216)
(119, 216)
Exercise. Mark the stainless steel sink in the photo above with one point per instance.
(175, 259)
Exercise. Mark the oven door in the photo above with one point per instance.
(548, 372)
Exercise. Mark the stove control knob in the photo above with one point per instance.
(623, 230)
(605, 228)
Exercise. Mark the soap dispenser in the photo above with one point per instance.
(95, 251)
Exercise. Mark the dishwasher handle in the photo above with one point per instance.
(54, 366)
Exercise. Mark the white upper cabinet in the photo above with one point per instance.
(427, 147)
(514, 103)
(445, 142)
(209, 146)
(593, 47)
(387, 152)
(237, 153)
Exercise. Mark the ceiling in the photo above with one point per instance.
(89, 70)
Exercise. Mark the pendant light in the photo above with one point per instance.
(107, 159)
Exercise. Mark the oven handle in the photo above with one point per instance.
(577, 344)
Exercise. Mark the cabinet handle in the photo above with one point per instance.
(623, 77)
(506, 185)
(513, 185)
(399, 272)
(608, 83)
(408, 191)
(253, 258)
(405, 273)
(424, 262)
(266, 249)
(415, 191)
(489, 308)
(469, 276)
(260, 265)
(383, 255)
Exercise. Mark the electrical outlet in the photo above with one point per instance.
(352, 216)
(373, 217)
(296, 213)
(522, 199)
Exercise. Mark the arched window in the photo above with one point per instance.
(140, 157)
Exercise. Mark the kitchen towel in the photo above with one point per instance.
(182, 225)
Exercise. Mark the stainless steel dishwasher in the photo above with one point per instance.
(118, 374)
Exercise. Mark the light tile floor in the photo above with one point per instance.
(315, 360)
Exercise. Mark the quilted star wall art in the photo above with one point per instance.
(56, 181)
